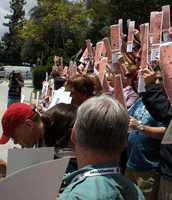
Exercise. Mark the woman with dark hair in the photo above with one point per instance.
(58, 123)
(81, 87)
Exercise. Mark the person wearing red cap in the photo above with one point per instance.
(23, 125)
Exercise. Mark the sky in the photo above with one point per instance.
(5, 9)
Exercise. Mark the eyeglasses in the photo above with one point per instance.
(50, 88)
(128, 75)
(137, 58)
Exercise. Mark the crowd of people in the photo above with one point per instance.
(115, 150)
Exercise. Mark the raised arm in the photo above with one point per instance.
(155, 101)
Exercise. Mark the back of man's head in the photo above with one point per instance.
(101, 125)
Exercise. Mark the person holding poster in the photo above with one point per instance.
(81, 87)
(100, 134)
(143, 149)
(160, 108)
(23, 125)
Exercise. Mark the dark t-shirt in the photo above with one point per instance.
(15, 90)
(160, 108)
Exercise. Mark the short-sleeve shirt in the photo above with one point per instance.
(142, 150)
(15, 90)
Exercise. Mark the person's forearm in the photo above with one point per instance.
(157, 104)
(20, 83)
(153, 132)
(10, 83)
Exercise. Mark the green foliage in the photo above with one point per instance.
(60, 27)
(12, 42)
(39, 74)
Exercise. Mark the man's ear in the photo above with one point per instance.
(73, 135)
(29, 123)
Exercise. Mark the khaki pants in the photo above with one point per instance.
(165, 189)
(147, 181)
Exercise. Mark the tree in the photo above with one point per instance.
(12, 41)
(60, 27)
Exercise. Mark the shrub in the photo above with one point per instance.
(39, 74)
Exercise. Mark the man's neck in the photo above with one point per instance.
(85, 158)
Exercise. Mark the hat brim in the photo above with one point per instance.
(4, 139)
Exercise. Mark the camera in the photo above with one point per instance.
(14, 74)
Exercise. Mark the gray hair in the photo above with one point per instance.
(101, 125)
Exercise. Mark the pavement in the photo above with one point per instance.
(26, 90)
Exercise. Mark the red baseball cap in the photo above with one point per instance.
(15, 115)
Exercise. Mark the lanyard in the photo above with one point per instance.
(97, 172)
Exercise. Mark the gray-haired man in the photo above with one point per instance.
(100, 135)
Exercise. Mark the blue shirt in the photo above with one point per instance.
(142, 150)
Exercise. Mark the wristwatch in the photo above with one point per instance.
(141, 128)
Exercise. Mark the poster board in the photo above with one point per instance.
(118, 93)
(166, 67)
(120, 22)
(144, 57)
(115, 41)
(41, 181)
(130, 36)
(157, 36)
(88, 43)
(60, 96)
(21, 158)
(152, 24)
(115, 38)
(102, 67)
(166, 23)
(22, 98)
(108, 49)
(99, 47)
(103, 51)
